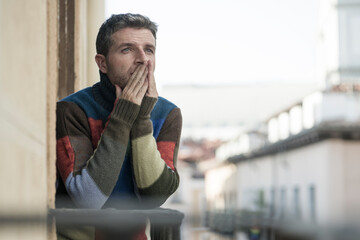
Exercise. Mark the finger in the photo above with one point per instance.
(133, 92)
(151, 68)
(136, 78)
(150, 72)
(132, 77)
(141, 81)
(152, 92)
(143, 89)
(118, 91)
(139, 71)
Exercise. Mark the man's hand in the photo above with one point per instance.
(136, 87)
(151, 91)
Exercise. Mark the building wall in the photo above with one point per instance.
(253, 177)
(23, 61)
(220, 184)
(95, 17)
(90, 14)
(317, 182)
(28, 95)
(351, 179)
(305, 168)
(349, 38)
(328, 42)
(277, 176)
(338, 41)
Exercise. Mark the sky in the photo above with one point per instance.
(230, 64)
(230, 42)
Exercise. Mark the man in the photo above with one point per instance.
(118, 140)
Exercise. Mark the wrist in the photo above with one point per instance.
(126, 110)
(147, 105)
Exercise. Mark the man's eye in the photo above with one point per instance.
(125, 50)
(149, 50)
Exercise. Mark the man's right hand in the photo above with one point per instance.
(136, 87)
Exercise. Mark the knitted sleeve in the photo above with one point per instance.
(90, 175)
(154, 161)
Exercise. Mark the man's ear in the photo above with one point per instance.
(101, 62)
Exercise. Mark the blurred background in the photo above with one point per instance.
(269, 92)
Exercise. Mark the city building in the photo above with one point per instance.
(304, 166)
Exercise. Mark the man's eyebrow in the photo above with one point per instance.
(150, 46)
(128, 44)
(125, 45)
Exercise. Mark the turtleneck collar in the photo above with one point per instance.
(104, 92)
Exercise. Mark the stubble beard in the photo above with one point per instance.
(119, 79)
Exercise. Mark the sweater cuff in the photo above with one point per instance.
(126, 111)
(147, 105)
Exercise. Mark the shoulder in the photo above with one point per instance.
(85, 100)
(76, 102)
(162, 108)
(164, 101)
(81, 98)
(164, 114)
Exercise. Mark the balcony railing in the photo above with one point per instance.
(165, 223)
(257, 225)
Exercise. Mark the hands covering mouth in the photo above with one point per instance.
(140, 82)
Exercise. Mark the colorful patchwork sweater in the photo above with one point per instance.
(108, 149)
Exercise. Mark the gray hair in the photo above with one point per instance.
(118, 22)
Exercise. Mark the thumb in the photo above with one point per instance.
(118, 91)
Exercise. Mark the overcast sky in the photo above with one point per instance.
(230, 41)
(268, 45)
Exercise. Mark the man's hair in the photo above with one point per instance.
(118, 22)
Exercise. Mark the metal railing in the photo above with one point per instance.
(165, 223)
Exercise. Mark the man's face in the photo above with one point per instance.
(131, 47)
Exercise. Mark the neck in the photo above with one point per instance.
(104, 92)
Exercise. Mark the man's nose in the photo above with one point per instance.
(141, 57)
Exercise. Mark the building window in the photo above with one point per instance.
(312, 202)
(261, 200)
(283, 202)
(272, 201)
(297, 203)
